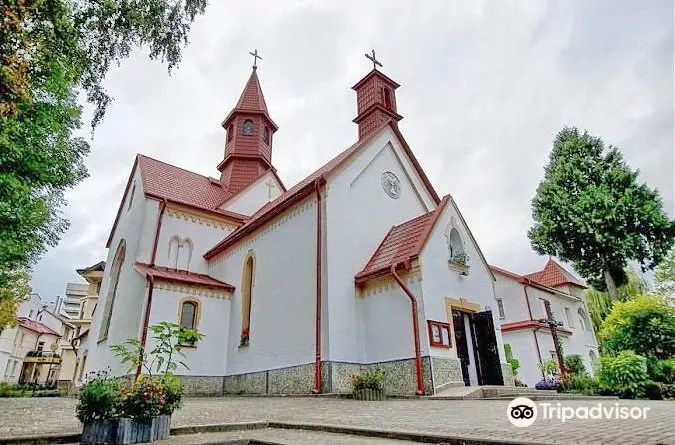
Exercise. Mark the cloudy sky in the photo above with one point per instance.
(485, 88)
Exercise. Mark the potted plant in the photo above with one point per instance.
(114, 411)
(368, 385)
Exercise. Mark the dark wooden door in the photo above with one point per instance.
(486, 352)
(462, 345)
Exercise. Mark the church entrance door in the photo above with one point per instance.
(462, 345)
(486, 351)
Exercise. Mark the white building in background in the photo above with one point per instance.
(359, 264)
(70, 304)
(522, 301)
(29, 350)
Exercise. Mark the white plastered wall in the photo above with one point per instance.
(358, 215)
(282, 324)
(257, 194)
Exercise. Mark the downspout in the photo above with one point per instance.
(319, 240)
(416, 332)
(151, 283)
(529, 311)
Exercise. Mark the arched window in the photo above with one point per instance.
(593, 358)
(188, 317)
(266, 134)
(248, 127)
(246, 294)
(230, 133)
(583, 320)
(174, 247)
(456, 247)
(112, 290)
(131, 196)
(185, 254)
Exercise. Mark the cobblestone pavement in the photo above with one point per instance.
(479, 419)
(273, 435)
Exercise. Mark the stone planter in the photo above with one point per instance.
(125, 431)
(368, 394)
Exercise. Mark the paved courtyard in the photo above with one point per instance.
(480, 419)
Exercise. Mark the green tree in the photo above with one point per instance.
(591, 211)
(645, 325)
(600, 303)
(50, 51)
(12, 294)
(664, 277)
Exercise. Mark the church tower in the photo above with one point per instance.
(248, 146)
(376, 100)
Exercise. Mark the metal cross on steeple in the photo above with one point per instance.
(255, 58)
(372, 58)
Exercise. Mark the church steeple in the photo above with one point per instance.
(248, 146)
(376, 100)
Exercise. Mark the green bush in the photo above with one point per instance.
(645, 325)
(99, 399)
(575, 364)
(652, 391)
(368, 380)
(580, 384)
(668, 390)
(624, 374)
(548, 368)
(661, 370)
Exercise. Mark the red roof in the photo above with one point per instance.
(554, 275)
(305, 187)
(181, 276)
(36, 326)
(252, 98)
(402, 243)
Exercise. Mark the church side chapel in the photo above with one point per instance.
(360, 264)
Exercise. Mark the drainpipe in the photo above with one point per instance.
(151, 281)
(534, 333)
(146, 321)
(416, 332)
(319, 239)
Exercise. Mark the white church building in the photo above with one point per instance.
(361, 264)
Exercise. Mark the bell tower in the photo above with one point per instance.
(249, 130)
(376, 100)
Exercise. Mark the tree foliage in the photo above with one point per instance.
(12, 294)
(600, 303)
(664, 277)
(50, 51)
(645, 325)
(590, 210)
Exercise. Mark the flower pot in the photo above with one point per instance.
(368, 394)
(126, 430)
(99, 431)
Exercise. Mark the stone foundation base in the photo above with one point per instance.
(202, 385)
(508, 375)
(399, 378)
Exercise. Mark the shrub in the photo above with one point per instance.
(575, 364)
(661, 370)
(99, 399)
(668, 391)
(368, 380)
(580, 384)
(624, 374)
(145, 398)
(652, 391)
(549, 368)
(645, 325)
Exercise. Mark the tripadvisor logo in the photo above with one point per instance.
(522, 412)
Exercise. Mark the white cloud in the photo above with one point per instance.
(485, 88)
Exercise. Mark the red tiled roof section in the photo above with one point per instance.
(554, 275)
(252, 98)
(36, 326)
(164, 180)
(301, 189)
(182, 276)
(403, 242)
